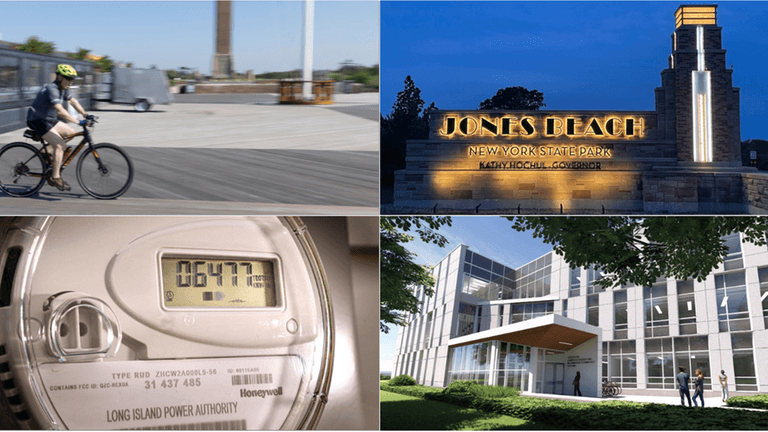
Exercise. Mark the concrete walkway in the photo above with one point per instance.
(239, 125)
(232, 158)
(59, 204)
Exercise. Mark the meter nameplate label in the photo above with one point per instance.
(206, 282)
(255, 393)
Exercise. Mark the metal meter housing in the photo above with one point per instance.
(85, 305)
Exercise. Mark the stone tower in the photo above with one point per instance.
(223, 61)
(697, 104)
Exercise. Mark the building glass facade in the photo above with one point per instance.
(479, 322)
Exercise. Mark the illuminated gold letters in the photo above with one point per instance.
(608, 127)
(542, 151)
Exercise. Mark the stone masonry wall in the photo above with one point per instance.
(756, 191)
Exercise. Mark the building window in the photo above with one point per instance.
(686, 307)
(732, 306)
(660, 364)
(663, 361)
(565, 308)
(620, 322)
(466, 317)
(534, 279)
(693, 353)
(734, 260)
(525, 311)
(470, 362)
(487, 279)
(593, 310)
(501, 316)
(605, 361)
(656, 310)
(419, 333)
(575, 287)
(622, 366)
(763, 276)
(743, 361)
(513, 366)
(428, 332)
(594, 274)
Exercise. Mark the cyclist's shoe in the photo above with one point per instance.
(59, 183)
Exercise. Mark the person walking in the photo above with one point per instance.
(699, 388)
(682, 380)
(723, 385)
(576, 384)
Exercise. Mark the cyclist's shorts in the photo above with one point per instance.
(41, 126)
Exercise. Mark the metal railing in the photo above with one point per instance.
(22, 74)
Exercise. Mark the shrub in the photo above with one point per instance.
(479, 390)
(611, 415)
(402, 380)
(415, 390)
(384, 377)
(459, 386)
(758, 401)
(494, 392)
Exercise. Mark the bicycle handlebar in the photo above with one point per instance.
(91, 120)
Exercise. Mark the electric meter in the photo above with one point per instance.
(164, 323)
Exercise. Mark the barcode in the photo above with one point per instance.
(218, 425)
(207, 295)
(265, 378)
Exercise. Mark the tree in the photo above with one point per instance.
(398, 271)
(105, 64)
(639, 251)
(408, 120)
(81, 54)
(35, 45)
(514, 98)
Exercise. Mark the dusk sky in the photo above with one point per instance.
(580, 55)
(492, 237)
(266, 35)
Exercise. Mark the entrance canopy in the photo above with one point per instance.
(549, 331)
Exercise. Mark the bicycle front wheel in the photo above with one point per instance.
(22, 170)
(104, 171)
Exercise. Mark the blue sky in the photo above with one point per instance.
(266, 35)
(580, 55)
(490, 236)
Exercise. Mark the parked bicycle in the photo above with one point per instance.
(611, 389)
(104, 170)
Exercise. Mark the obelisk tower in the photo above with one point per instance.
(223, 61)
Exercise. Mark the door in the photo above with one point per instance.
(553, 378)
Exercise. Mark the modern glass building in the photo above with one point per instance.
(535, 326)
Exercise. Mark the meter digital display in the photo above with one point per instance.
(164, 323)
(194, 281)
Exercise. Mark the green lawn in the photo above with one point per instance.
(402, 412)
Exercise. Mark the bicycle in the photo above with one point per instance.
(611, 389)
(104, 170)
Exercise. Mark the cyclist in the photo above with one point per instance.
(42, 118)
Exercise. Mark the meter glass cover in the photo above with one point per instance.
(211, 282)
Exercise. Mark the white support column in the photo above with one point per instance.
(307, 37)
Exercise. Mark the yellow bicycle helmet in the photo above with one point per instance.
(66, 71)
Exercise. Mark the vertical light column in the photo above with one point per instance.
(702, 105)
(307, 37)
